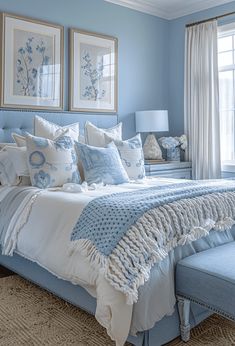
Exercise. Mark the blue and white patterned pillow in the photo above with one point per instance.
(52, 163)
(102, 165)
(131, 154)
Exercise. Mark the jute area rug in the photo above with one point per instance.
(30, 316)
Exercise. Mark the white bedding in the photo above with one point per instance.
(45, 239)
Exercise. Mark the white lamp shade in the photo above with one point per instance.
(152, 121)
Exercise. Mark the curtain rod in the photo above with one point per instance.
(209, 19)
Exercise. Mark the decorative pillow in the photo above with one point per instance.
(46, 129)
(102, 165)
(2, 145)
(52, 163)
(8, 174)
(94, 136)
(18, 157)
(67, 132)
(20, 140)
(131, 154)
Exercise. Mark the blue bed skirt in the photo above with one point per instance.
(164, 331)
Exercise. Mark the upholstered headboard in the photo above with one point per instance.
(22, 121)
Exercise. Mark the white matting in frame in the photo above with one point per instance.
(93, 72)
(32, 63)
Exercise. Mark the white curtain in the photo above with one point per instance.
(201, 95)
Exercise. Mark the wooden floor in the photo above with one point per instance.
(5, 272)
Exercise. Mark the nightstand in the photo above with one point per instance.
(178, 170)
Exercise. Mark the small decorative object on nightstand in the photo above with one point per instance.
(173, 145)
(152, 121)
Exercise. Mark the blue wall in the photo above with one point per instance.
(176, 62)
(143, 47)
(151, 51)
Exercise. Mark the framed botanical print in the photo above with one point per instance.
(93, 72)
(31, 63)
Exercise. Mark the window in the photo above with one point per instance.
(226, 60)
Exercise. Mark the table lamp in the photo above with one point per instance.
(152, 121)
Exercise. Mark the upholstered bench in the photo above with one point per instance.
(206, 278)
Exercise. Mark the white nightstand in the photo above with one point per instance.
(179, 170)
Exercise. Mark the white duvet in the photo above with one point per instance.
(45, 239)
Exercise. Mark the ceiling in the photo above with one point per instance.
(169, 9)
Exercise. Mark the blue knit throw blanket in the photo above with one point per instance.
(127, 233)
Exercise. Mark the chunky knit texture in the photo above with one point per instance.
(127, 233)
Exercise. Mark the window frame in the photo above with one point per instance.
(223, 31)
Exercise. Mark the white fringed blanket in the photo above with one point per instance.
(128, 233)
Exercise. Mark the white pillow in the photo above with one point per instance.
(18, 157)
(94, 136)
(20, 140)
(8, 174)
(52, 163)
(2, 145)
(46, 129)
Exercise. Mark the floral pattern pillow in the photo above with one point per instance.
(131, 154)
(52, 163)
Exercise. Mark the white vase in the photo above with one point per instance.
(151, 148)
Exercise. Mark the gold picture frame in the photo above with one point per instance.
(31, 63)
(93, 72)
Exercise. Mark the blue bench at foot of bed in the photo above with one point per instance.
(208, 279)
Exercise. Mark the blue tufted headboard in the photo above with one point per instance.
(22, 121)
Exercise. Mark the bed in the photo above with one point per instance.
(166, 327)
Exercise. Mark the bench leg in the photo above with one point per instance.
(184, 312)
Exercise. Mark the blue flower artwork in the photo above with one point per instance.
(34, 59)
(95, 73)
